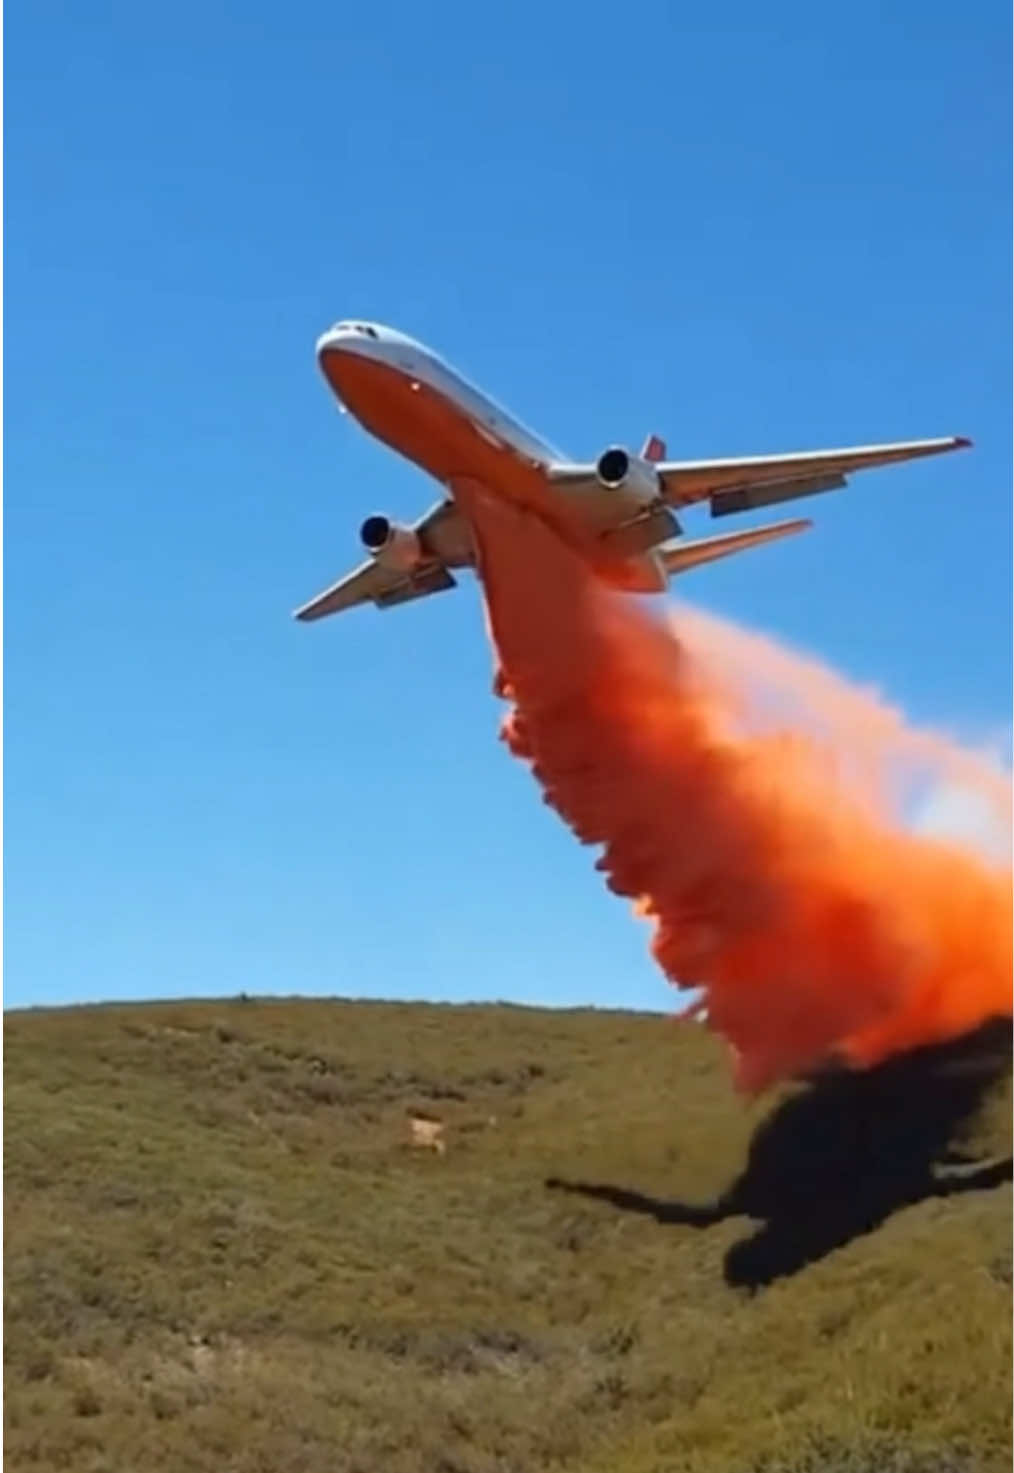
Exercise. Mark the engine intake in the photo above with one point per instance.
(613, 467)
(619, 470)
(391, 544)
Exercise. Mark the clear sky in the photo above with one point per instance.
(747, 228)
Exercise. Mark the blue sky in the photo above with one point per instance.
(759, 229)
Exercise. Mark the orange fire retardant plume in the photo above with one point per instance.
(742, 797)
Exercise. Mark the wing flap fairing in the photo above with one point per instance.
(431, 580)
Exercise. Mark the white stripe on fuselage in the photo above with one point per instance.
(420, 364)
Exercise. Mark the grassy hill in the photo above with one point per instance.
(223, 1253)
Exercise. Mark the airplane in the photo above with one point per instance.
(619, 511)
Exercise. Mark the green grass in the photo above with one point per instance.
(223, 1254)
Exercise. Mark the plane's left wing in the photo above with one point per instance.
(742, 483)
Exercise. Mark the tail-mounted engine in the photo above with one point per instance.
(619, 470)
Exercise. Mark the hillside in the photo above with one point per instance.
(223, 1253)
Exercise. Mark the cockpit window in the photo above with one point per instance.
(363, 327)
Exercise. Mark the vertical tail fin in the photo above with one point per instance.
(654, 449)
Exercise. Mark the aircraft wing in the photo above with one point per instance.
(372, 583)
(441, 534)
(743, 483)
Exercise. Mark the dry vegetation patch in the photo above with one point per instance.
(226, 1250)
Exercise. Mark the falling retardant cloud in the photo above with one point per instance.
(767, 818)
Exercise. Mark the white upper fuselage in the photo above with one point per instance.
(419, 365)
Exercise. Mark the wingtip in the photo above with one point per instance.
(962, 442)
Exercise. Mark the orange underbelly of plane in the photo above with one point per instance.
(426, 428)
(422, 424)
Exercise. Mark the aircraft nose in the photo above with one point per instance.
(344, 353)
(335, 340)
(359, 338)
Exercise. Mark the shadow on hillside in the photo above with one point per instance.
(836, 1159)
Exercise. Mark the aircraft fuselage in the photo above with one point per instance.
(409, 398)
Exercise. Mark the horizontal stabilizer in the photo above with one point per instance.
(687, 555)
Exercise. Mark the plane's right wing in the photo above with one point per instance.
(444, 540)
(371, 582)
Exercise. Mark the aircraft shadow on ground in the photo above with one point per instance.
(836, 1159)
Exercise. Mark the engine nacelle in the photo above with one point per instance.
(391, 544)
(619, 470)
